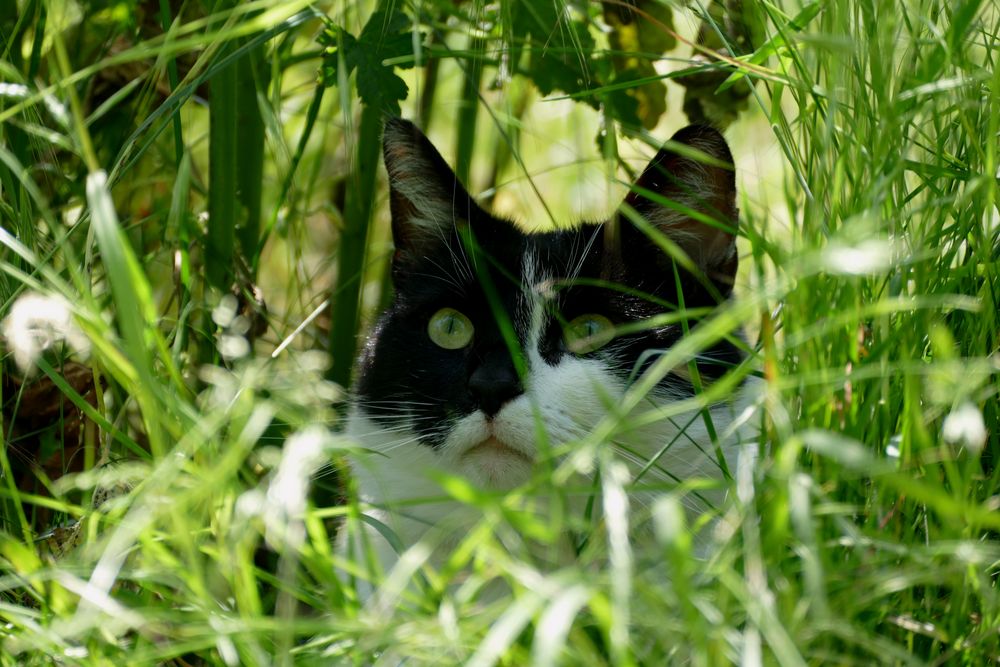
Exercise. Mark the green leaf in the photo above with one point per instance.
(384, 38)
(559, 49)
(640, 33)
(644, 102)
(653, 29)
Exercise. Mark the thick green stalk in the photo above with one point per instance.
(429, 89)
(250, 71)
(165, 21)
(507, 142)
(236, 163)
(178, 218)
(466, 139)
(346, 297)
(222, 173)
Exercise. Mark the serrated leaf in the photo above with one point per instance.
(654, 27)
(381, 24)
(650, 97)
(619, 102)
(623, 107)
(343, 47)
(385, 37)
(558, 47)
(379, 87)
(640, 32)
(641, 27)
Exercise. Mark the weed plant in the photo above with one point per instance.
(194, 231)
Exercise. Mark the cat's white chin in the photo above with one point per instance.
(492, 453)
(496, 464)
(495, 447)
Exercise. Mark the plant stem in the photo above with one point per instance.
(465, 141)
(346, 297)
(222, 165)
(250, 152)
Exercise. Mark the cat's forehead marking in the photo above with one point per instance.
(536, 281)
(535, 284)
(529, 266)
(545, 288)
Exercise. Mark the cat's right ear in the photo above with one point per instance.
(425, 197)
(688, 193)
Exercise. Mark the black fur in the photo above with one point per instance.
(472, 261)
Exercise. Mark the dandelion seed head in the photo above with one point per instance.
(302, 454)
(37, 323)
(283, 503)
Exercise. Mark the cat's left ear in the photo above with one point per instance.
(688, 192)
(425, 197)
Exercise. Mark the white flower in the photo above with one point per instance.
(15, 90)
(893, 449)
(283, 505)
(233, 347)
(864, 258)
(301, 455)
(224, 313)
(964, 426)
(232, 342)
(38, 322)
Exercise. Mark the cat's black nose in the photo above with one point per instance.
(494, 383)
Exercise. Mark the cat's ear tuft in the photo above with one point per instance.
(688, 192)
(425, 197)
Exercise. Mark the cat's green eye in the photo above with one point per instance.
(587, 333)
(450, 329)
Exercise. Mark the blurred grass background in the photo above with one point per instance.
(186, 188)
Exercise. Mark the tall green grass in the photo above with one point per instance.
(864, 529)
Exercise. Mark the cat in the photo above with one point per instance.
(492, 331)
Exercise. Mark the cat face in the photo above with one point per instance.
(498, 341)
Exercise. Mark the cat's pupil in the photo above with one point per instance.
(450, 329)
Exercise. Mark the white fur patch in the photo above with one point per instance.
(566, 400)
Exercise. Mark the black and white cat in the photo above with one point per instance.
(494, 334)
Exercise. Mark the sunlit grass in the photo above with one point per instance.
(861, 529)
